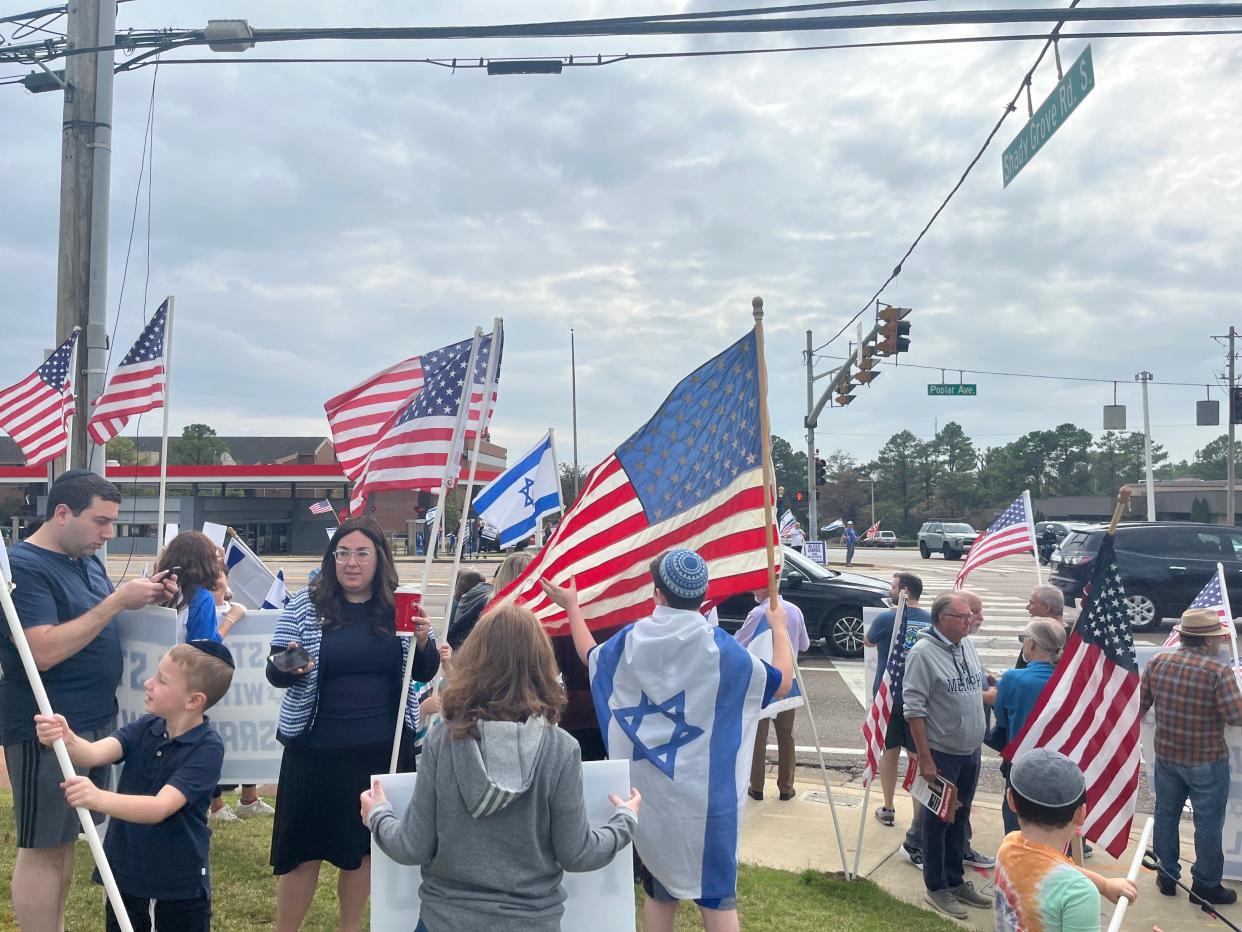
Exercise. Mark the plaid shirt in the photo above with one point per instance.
(1195, 696)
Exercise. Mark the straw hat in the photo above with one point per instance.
(1200, 622)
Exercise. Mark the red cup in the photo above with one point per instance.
(407, 599)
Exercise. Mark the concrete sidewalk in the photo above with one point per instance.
(799, 834)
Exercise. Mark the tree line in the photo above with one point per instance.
(949, 476)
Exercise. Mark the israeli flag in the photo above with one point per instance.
(680, 700)
(249, 578)
(760, 645)
(516, 499)
(277, 596)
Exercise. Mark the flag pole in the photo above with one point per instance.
(168, 331)
(862, 816)
(89, 828)
(823, 767)
(453, 468)
(489, 384)
(765, 442)
(1030, 526)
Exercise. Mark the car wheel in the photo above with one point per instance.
(923, 551)
(950, 553)
(1145, 612)
(845, 632)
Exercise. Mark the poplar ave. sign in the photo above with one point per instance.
(1068, 94)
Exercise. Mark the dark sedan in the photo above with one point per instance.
(831, 602)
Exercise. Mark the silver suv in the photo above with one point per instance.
(952, 538)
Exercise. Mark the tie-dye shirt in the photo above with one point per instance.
(1039, 890)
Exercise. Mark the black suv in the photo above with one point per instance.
(1163, 565)
(831, 603)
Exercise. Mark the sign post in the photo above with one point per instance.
(1063, 100)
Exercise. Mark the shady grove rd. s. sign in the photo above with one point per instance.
(1069, 92)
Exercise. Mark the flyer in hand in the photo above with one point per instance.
(940, 797)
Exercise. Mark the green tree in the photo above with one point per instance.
(1117, 458)
(1211, 462)
(198, 445)
(122, 450)
(789, 465)
(894, 470)
(1199, 511)
(847, 494)
(958, 485)
(568, 495)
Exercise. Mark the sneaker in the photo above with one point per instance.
(975, 859)
(947, 903)
(256, 808)
(966, 893)
(1217, 896)
(886, 816)
(913, 855)
(223, 814)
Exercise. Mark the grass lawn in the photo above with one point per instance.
(245, 892)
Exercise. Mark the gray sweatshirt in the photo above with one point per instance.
(494, 823)
(943, 684)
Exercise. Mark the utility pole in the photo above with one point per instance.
(1230, 472)
(1146, 377)
(86, 167)
(573, 390)
(812, 496)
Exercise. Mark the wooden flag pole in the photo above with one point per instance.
(89, 829)
(168, 331)
(429, 556)
(765, 441)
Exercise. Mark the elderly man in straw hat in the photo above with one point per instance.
(1195, 695)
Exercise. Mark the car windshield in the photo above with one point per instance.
(958, 529)
(796, 561)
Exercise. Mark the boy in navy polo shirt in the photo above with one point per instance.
(158, 837)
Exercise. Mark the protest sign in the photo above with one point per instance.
(1232, 834)
(816, 550)
(596, 901)
(245, 718)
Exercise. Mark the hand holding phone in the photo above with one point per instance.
(293, 659)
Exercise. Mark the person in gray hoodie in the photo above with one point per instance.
(943, 696)
(498, 813)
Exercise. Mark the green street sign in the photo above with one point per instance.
(1064, 99)
(968, 389)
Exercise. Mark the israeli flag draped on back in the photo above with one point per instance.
(516, 499)
(680, 700)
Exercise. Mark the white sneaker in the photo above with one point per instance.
(256, 808)
(223, 814)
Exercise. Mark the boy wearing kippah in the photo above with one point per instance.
(157, 841)
(1037, 886)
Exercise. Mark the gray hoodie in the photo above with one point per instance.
(493, 823)
(943, 684)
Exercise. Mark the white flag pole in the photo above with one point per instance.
(898, 615)
(62, 755)
(1224, 599)
(489, 384)
(73, 367)
(168, 331)
(449, 468)
(823, 767)
(1030, 527)
(1123, 902)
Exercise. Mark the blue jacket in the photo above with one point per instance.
(299, 622)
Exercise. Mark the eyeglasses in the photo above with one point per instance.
(955, 614)
(344, 555)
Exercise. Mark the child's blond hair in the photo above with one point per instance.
(203, 673)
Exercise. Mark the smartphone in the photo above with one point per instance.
(290, 659)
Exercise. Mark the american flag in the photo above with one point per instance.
(359, 417)
(875, 725)
(322, 507)
(873, 530)
(1013, 532)
(137, 385)
(691, 477)
(35, 412)
(1215, 595)
(1089, 710)
(417, 444)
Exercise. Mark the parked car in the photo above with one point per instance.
(951, 538)
(831, 602)
(881, 539)
(1163, 565)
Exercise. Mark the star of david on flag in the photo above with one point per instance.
(519, 497)
(670, 712)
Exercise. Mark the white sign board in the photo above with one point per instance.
(1232, 834)
(598, 901)
(247, 715)
(816, 550)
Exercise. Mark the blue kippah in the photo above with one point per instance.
(684, 573)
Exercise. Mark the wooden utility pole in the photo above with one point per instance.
(86, 167)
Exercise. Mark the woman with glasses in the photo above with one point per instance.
(338, 716)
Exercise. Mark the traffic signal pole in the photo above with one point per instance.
(812, 494)
(1231, 472)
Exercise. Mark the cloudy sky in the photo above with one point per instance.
(320, 221)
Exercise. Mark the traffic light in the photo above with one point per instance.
(1235, 406)
(821, 472)
(866, 364)
(845, 392)
(894, 331)
(800, 496)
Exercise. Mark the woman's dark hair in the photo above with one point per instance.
(199, 564)
(467, 580)
(1046, 816)
(326, 593)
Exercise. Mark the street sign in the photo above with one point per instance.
(1063, 100)
(968, 389)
